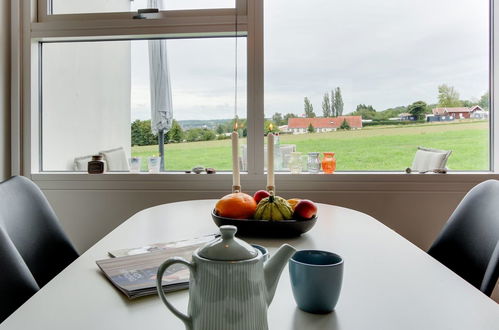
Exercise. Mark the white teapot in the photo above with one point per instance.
(230, 287)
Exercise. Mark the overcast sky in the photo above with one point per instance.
(384, 53)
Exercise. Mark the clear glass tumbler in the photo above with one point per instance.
(314, 162)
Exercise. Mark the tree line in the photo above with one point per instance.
(142, 133)
(332, 105)
(448, 97)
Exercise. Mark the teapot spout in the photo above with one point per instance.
(273, 269)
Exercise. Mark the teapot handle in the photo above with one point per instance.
(175, 260)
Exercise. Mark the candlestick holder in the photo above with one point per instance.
(271, 190)
(236, 189)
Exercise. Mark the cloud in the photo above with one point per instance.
(385, 53)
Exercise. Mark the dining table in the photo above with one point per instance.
(388, 283)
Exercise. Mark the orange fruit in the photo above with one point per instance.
(293, 202)
(236, 206)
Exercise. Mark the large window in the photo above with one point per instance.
(97, 99)
(381, 78)
(368, 81)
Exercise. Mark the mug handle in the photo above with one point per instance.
(175, 260)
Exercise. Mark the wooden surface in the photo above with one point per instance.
(388, 283)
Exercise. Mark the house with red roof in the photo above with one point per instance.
(456, 112)
(300, 125)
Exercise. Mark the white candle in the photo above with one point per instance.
(236, 180)
(270, 160)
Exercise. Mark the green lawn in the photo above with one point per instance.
(371, 148)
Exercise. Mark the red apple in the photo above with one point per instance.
(305, 209)
(260, 194)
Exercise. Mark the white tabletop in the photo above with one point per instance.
(388, 282)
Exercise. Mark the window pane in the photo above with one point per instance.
(96, 97)
(106, 6)
(382, 57)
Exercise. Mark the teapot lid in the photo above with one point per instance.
(227, 247)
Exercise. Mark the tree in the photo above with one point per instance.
(345, 125)
(365, 111)
(326, 106)
(193, 134)
(448, 97)
(338, 102)
(208, 135)
(418, 109)
(142, 134)
(287, 116)
(467, 103)
(311, 128)
(309, 108)
(175, 134)
(484, 101)
(278, 120)
(333, 105)
(220, 129)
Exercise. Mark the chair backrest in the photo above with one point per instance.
(468, 243)
(16, 282)
(33, 229)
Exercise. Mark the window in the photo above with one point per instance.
(100, 91)
(375, 61)
(375, 69)
(58, 7)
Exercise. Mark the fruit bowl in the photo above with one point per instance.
(266, 228)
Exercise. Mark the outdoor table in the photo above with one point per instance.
(389, 283)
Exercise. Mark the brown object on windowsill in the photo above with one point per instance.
(96, 165)
(210, 170)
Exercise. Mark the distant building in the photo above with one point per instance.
(300, 125)
(283, 128)
(480, 114)
(407, 117)
(456, 112)
(433, 118)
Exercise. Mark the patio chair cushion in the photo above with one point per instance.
(428, 159)
(116, 159)
(81, 163)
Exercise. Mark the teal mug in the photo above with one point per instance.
(316, 278)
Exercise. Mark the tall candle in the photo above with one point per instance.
(236, 180)
(270, 160)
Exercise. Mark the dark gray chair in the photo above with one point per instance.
(469, 242)
(33, 246)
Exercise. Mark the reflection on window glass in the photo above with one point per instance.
(373, 80)
(100, 6)
(96, 98)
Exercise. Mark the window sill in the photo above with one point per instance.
(341, 181)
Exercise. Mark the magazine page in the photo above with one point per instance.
(135, 275)
(194, 242)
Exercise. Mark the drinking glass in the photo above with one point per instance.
(314, 163)
(153, 164)
(135, 163)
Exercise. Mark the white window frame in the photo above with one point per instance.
(32, 24)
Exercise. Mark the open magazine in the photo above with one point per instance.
(170, 246)
(134, 273)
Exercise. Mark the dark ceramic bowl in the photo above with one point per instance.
(266, 228)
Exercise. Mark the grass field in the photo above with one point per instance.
(372, 148)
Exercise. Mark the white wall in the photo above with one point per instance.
(86, 100)
(4, 89)
(86, 94)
